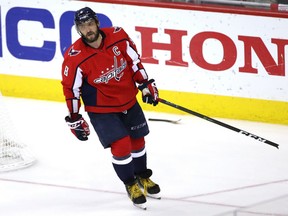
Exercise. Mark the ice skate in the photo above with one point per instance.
(136, 195)
(151, 189)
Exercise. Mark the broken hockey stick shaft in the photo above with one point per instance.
(165, 120)
(219, 123)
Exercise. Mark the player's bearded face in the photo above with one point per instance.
(89, 31)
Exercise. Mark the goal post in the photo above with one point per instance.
(13, 153)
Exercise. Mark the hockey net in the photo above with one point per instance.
(13, 153)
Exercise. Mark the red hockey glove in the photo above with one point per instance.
(149, 92)
(78, 127)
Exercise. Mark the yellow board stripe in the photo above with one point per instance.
(210, 105)
(31, 87)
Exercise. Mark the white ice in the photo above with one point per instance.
(203, 169)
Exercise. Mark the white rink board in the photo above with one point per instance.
(191, 78)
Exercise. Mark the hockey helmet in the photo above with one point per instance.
(84, 14)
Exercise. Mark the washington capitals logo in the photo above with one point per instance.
(116, 29)
(73, 52)
(115, 72)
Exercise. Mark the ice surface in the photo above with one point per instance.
(203, 169)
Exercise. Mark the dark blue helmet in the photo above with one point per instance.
(84, 15)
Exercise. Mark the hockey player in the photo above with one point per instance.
(104, 69)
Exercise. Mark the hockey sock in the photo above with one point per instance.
(125, 172)
(139, 155)
(122, 159)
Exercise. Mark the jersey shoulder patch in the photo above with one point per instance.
(73, 52)
(117, 29)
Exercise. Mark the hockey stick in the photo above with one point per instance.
(165, 120)
(219, 123)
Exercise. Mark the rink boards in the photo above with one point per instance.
(221, 63)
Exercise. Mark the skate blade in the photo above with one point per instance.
(154, 196)
(141, 206)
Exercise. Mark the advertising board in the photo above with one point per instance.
(224, 64)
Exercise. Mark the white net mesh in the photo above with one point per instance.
(13, 154)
